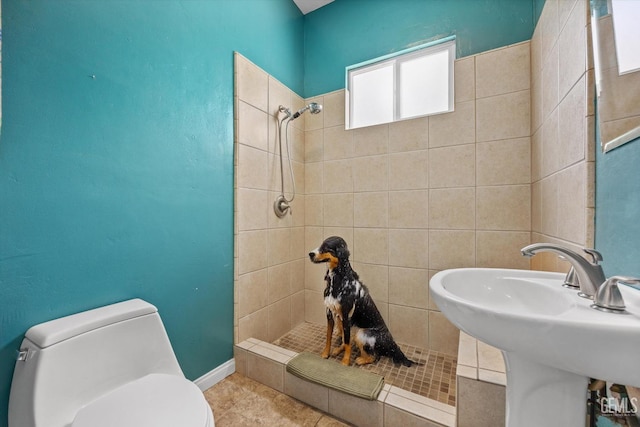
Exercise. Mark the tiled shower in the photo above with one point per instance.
(513, 164)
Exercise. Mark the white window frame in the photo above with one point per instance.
(427, 49)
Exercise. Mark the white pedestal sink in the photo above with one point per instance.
(551, 339)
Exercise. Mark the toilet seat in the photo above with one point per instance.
(156, 400)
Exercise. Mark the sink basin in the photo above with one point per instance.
(552, 341)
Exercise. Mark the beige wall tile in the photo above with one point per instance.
(345, 232)
(254, 325)
(313, 210)
(503, 70)
(503, 116)
(253, 173)
(409, 135)
(409, 287)
(338, 143)
(297, 308)
(252, 209)
(371, 209)
(549, 206)
(370, 245)
(279, 282)
(536, 102)
(279, 95)
(536, 156)
(572, 45)
(550, 144)
(409, 171)
(338, 210)
(505, 207)
(443, 336)
(452, 166)
(550, 27)
(370, 173)
(278, 245)
(252, 292)
(297, 271)
(252, 126)
(504, 162)
(401, 316)
(279, 318)
(572, 125)
(409, 209)
(465, 79)
(501, 249)
(338, 176)
(451, 249)
(376, 278)
(252, 250)
(550, 82)
(571, 204)
(252, 83)
(409, 248)
(454, 128)
(314, 277)
(452, 208)
(314, 178)
(333, 109)
(314, 146)
(370, 140)
(314, 309)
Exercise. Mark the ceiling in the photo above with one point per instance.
(307, 6)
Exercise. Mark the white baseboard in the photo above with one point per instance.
(216, 375)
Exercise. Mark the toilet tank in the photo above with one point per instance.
(71, 361)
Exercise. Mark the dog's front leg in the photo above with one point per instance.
(327, 347)
(346, 339)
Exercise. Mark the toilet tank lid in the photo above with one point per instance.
(54, 331)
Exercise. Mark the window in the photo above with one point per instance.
(412, 83)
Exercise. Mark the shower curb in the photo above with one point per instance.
(266, 363)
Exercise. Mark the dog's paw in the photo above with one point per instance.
(364, 360)
(325, 354)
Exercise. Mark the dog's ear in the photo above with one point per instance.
(342, 252)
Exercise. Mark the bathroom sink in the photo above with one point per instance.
(551, 338)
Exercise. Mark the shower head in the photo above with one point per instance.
(314, 108)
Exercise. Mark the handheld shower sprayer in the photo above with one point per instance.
(281, 205)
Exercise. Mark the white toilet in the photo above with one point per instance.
(112, 366)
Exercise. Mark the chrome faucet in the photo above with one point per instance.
(590, 274)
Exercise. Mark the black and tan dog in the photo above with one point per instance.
(349, 304)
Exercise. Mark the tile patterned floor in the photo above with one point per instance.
(238, 401)
(435, 379)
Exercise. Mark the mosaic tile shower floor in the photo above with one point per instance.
(435, 379)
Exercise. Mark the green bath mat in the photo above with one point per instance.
(357, 382)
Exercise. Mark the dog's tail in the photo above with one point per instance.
(399, 357)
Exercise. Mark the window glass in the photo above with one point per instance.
(374, 103)
(412, 83)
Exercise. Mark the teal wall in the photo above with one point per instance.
(347, 32)
(116, 160)
(618, 209)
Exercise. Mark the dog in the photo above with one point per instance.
(349, 303)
